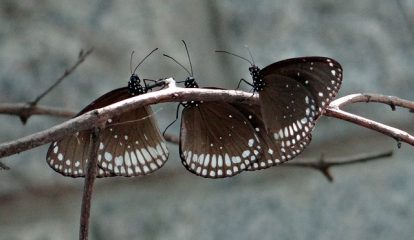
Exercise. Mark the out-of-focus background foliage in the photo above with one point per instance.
(373, 39)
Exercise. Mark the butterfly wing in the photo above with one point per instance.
(321, 76)
(297, 89)
(216, 140)
(287, 107)
(132, 144)
(274, 152)
(68, 156)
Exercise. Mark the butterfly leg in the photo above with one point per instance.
(245, 81)
(176, 118)
(155, 83)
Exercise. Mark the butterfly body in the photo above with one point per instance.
(258, 82)
(135, 87)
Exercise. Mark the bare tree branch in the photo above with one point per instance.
(25, 110)
(400, 136)
(174, 94)
(90, 176)
(371, 97)
(324, 166)
(100, 116)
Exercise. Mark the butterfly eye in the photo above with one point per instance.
(134, 79)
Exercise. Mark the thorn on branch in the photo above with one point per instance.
(392, 105)
(368, 98)
(4, 166)
(398, 142)
(323, 167)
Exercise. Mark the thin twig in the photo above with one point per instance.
(324, 166)
(30, 108)
(81, 57)
(90, 176)
(333, 110)
(371, 97)
(25, 109)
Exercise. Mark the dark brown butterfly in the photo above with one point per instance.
(292, 95)
(131, 144)
(216, 140)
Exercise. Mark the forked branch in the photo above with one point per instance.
(324, 166)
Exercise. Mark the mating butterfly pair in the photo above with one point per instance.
(216, 139)
(220, 139)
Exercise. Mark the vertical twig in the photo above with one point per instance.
(90, 175)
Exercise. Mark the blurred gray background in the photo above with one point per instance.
(372, 39)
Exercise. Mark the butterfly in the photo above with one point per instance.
(292, 95)
(216, 139)
(131, 143)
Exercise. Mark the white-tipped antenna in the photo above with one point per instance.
(143, 60)
(250, 53)
(189, 60)
(221, 51)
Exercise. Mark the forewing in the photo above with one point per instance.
(216, 140)
(321, 76)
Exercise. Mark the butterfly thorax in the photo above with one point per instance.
(190, 82)
(134, 86)
(258, 82)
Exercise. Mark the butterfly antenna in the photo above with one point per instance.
(144, 59)
(235, 56)
(165, 55)
(189, 60)
(250, 53)
(130, 62)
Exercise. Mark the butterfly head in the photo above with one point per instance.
(258, 82)
(190, 82)
(134, 85)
